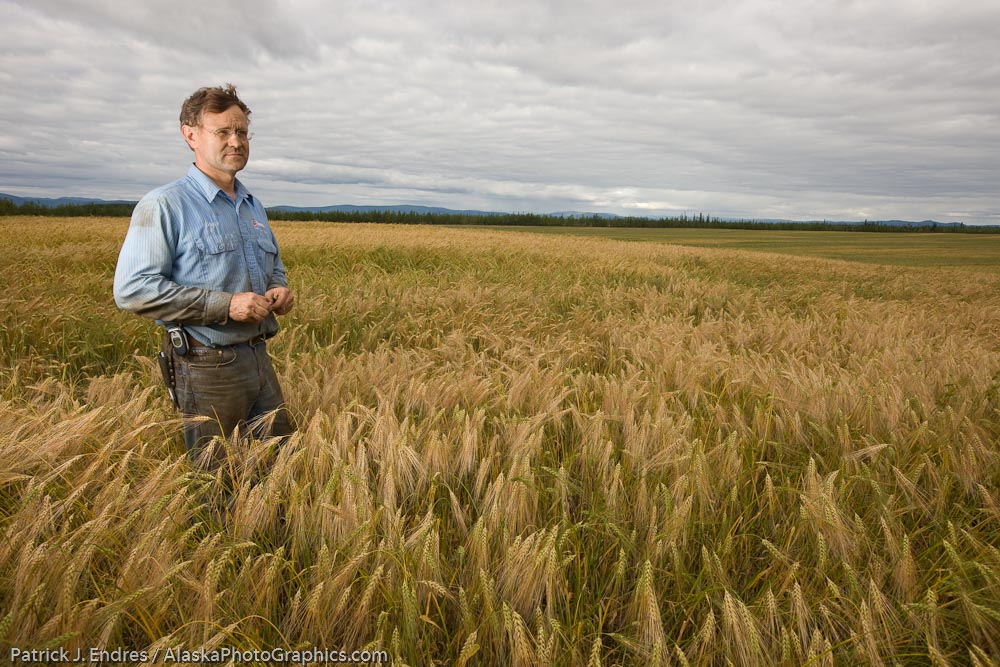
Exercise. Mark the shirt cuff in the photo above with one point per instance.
(217, 307)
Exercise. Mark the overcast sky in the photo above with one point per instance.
(758, 108)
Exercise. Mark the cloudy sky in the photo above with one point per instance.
(843, 109)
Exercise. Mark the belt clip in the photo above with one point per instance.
(178, 340)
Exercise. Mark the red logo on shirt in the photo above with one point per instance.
(256, 224)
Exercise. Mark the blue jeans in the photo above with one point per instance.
(233, 386)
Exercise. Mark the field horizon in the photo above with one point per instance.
(915, 249)
(522, 448)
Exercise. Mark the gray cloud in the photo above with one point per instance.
(772, 109)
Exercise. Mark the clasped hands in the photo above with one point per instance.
(252, 307)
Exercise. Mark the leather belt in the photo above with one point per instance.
(258, 339)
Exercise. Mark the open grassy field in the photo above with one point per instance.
(901, 249)
(522, 449)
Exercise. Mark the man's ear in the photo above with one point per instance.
(189, 134)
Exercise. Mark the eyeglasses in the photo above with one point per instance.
(225, 134)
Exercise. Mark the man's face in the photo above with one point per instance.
(220, 142)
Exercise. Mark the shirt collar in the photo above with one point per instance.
(210, 190)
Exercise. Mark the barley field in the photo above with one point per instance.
(518, 449)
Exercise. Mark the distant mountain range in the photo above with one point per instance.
(61, 201)
(421, 210)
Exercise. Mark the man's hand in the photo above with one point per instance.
(249, 307)
(281, 300)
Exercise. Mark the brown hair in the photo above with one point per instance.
(213, 100)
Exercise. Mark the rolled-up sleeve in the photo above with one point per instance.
(144, 282)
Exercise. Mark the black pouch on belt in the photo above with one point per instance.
(169, 378)
(176, 344)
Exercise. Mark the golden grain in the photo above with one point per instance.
(602, 437)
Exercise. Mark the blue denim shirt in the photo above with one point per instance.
(189, 248)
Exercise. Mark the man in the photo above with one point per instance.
(200, 258)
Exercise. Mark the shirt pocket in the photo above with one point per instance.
(267, 252)
(218, 254)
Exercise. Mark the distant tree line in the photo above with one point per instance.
(7, 207)
(700, 221)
